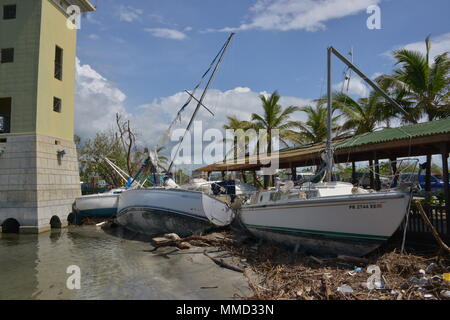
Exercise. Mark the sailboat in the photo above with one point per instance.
(104, 205)
(328, 217)
(170, 208)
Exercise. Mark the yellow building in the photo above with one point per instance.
(39, 176)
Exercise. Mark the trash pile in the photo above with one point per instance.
(276, 273)
(388, 276)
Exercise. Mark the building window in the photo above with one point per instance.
(58, 63)
(57, 104)
(9, 12)
(7, 55)
(5, 115)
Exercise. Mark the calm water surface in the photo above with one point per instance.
(34, 267)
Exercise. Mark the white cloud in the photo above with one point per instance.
(439, 45)
(357, 87)
(166, 33)
(97, 101)
(240, 102)
(129, 14)
(93, 36)
(309, 15)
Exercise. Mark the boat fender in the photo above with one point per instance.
(302, 195)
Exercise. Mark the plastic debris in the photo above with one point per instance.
(379, 285)
(428, 296)
(414, 281)
(445, 294)
(358, 269)
(421, 271)
(431, 267)
(345, 289)
(446, 276)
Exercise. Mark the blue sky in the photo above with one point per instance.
(137, 57)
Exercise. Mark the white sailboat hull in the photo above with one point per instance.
(345, 224)
(157, 211)
(98, 205)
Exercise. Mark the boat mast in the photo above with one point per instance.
(200, 102)
(328, 148)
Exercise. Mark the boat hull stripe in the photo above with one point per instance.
(319, 232)
(162, 210)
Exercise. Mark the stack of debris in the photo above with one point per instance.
(281, 274)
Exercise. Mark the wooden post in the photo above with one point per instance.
(394, 170)
(244, 177)
(377, 174)
(293, 172)
(428, 174)
(354, 180)
(266, 182)
(372, 183)
(446, 181)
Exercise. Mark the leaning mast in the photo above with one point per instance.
(328, 148)
(200, 102)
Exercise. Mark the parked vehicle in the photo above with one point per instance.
(436, 183)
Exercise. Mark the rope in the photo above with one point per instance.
(190, 98)
(402, 250)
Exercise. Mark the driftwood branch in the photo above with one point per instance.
(441, 243)
(168, 242)
(223, 264)
(353, 259)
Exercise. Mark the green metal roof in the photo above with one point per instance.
(390, 134)
(401, 133)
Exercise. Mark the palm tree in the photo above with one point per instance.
(274, 117)
(314, 130)
(235, 124)
(423, 85)
(162, 160)
(362, 115)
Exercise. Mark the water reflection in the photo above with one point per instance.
(112, 267)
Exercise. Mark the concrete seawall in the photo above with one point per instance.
(39, 181)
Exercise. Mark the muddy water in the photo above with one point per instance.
(112, 267)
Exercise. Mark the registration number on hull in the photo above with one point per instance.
(365, 206)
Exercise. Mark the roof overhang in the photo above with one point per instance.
(84, 5)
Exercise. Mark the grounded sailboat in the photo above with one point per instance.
(104, 205)
(328, 217)
(159, 210)
(172, 209)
